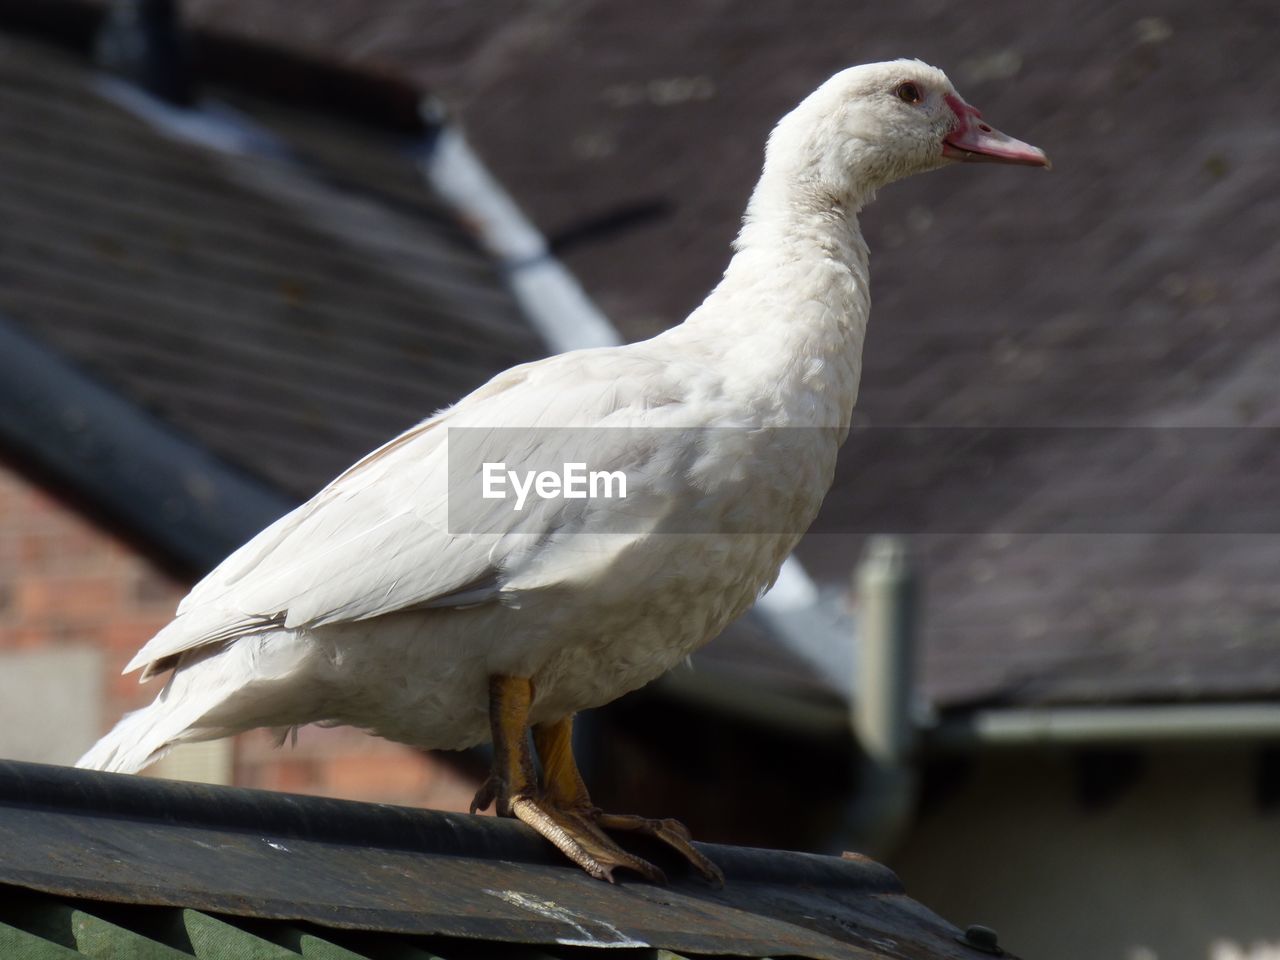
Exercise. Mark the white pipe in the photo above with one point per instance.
(549, 295)
(882, 708)
(209, 123)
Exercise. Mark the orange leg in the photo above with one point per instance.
(563, 787)
(509, 701)
(513, 785)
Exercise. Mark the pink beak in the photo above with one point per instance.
(973, 140)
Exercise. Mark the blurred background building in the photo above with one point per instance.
(243, 243)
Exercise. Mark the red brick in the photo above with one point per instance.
(67, 598)
(127, 634)
(155, 591)
(23, 637)
(288, 774)
(398, 775)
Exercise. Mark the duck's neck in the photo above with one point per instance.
(792, 308)
(788, 208)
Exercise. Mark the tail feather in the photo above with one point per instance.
(255, 681)
(144, 736)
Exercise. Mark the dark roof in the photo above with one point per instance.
(1123, 289)
(287, 307)
(154, 483)
(198, 337)
(1129, 287)
(284, 867)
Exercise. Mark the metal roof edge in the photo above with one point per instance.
(142, 474)
(73, 791)
(346, 866)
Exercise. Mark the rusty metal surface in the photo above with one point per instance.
(375, 867)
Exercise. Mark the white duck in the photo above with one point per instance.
(366, 606)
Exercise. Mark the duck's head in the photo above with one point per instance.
(870, 125)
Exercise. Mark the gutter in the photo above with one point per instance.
(1151, 725)
(888, 727)
(140, 472)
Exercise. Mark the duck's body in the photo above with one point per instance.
(392, 603)
(752, 395)
(588, 617)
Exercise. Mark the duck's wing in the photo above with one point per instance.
(379, 538)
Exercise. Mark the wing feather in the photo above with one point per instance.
(377, 540)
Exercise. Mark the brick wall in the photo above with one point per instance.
(343, 762)
(66, 583)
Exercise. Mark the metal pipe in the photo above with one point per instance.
(1078, 726)
(882, 709)
(550, 296)
(886, 591)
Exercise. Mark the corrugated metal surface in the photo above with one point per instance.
(34, 927)
(289, 862)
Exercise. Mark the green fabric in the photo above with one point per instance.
(40, 927)
(21, 945)
(214, 939)
(75, 929)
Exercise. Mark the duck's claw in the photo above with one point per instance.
(559, 807)
(576, 836)
(671, 832)
(489, 791)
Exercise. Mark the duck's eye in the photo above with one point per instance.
(908, 92)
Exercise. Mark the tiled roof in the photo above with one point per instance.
(1132, 286)
(108, 864)
(288, 307)
(1128, 287)
(200, 336)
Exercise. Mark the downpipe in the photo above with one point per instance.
(883, 712)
